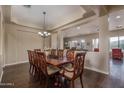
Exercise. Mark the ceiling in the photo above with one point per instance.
(66, 17)
(93, 26)
(56, 15)
(115, 23)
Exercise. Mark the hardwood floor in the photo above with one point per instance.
(18, 76)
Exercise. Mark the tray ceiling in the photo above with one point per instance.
(56, 16)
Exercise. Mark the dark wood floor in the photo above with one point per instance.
(18, 76)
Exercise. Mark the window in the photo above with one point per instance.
(82, 41)
(77, 44)
(73, 44)
(95, 43)
(121, 41)
(117, 42)
(83, 44)
(113, 42)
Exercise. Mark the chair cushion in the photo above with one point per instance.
(68, 66)
(67, 74)
(52, 69)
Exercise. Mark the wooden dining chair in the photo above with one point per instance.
(36, 62)
(31, 61)
(53, 53)
(60, 53)
(37, 50)
(46, 69)
(76, 71)
(70, 54)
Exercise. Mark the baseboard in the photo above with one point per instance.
(21, 62)
(1, 76)
(97, 70)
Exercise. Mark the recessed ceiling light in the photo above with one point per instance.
(49, 34)
(118, 17)
(78, 27)
(82, 41)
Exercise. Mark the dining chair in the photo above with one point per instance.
(60, 53)
(37, 50)
(38, 72)
(36, 61)
(54, 53)
(47, 69)
(70, 56)
(76, 71)
(31, 61)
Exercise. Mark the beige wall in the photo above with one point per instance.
(2, 39)
(96, 61)
(19, 39)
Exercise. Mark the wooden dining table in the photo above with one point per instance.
(58, 61)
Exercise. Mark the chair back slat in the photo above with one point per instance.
(53, 52)
(30, 56)
(37, 50)
(70, 54)
(42, 62)
(79, 64)
(60, 53)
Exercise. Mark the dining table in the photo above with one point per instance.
(58, 61)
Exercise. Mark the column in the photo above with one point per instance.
(60, 39)
(104, 41)
(54, 41)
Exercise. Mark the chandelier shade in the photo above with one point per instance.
(44, 34)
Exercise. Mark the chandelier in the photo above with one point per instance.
(45, 33)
